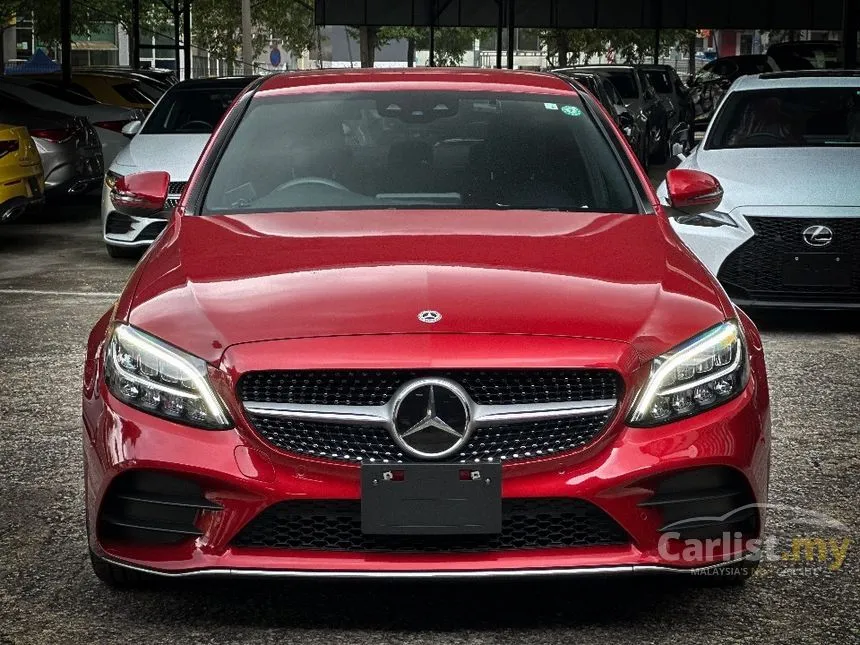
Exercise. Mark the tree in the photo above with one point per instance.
(450, 43)
(629, 45)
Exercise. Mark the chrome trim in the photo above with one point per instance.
(431, 575)
(381, 415)
(377, 415)
(486, 415)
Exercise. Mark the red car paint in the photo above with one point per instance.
(326, 290)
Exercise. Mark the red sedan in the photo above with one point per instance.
(422, 323)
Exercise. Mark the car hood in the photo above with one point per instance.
(213, 282)
(176, 154)
(782, 176)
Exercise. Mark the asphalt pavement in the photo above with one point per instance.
(56, 280)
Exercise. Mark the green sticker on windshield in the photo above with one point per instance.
(571, 110)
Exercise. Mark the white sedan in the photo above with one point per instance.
(786, 148)
(171, 139)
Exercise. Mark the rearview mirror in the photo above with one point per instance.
(141, 194)
(131, 128)
(693, 191)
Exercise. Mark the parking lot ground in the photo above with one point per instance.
(56, 280)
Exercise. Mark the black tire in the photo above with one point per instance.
(119, 577)
(662, 155)
(123, 252)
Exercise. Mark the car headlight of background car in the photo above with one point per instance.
(712, 218)
(152, 376)
(702, 373)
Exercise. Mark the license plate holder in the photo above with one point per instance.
(816, 270)
(431, 499)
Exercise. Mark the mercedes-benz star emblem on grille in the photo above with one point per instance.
(817, 235)
(429, 316)
(431, 418)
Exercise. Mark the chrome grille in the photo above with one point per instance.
(343, 415)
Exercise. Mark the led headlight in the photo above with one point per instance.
(152, 376)
(706, 371)
(712, 218)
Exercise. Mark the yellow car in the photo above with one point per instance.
(104, 88)
(22, 182)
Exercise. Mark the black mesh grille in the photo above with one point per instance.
(118, 224)
(335, 525)
(151, 231)
(365, 443)
(175, 187)
(496, 387)
(755, 269)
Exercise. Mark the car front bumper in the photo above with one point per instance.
(243, 476)
(750, 259)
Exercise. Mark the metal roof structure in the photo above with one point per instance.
(586, 14)
(841, 15)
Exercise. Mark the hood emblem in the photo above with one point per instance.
(817, 235)
(429, 316)
(431, 418)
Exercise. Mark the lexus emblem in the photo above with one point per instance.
(429, 316)
(817, 235)
(430, 418)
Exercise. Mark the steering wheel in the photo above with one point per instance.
(764, 135)
(315, 181)
(195, 125)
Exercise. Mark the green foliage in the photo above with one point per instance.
(629, 45)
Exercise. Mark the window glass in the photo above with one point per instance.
(624, 82)
(190, 110)
(793, 117)
(423, 149)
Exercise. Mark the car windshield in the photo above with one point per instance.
(624, 83)
(788, 118)
(418, 149)
(190, 110)
(660, 80)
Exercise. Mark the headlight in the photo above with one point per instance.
(110, 179)
(703, 372)
(152, 376)
(712, 218)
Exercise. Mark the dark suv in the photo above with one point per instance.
(643, 102)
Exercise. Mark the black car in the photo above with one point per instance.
(644, 103)
(671, 88)
(712, 81)
(604, 91)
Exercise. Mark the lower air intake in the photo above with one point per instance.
(145, 507)
(335, 525)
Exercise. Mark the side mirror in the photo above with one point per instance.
(692, 191)
(140, 195)
(131, 128)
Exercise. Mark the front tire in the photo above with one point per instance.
(662, 155)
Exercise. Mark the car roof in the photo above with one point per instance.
(214, 83)
(606, 66)
(798, 79)
(504, 80)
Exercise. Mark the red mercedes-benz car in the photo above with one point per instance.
(422, 323)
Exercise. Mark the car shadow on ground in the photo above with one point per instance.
(412, 606)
